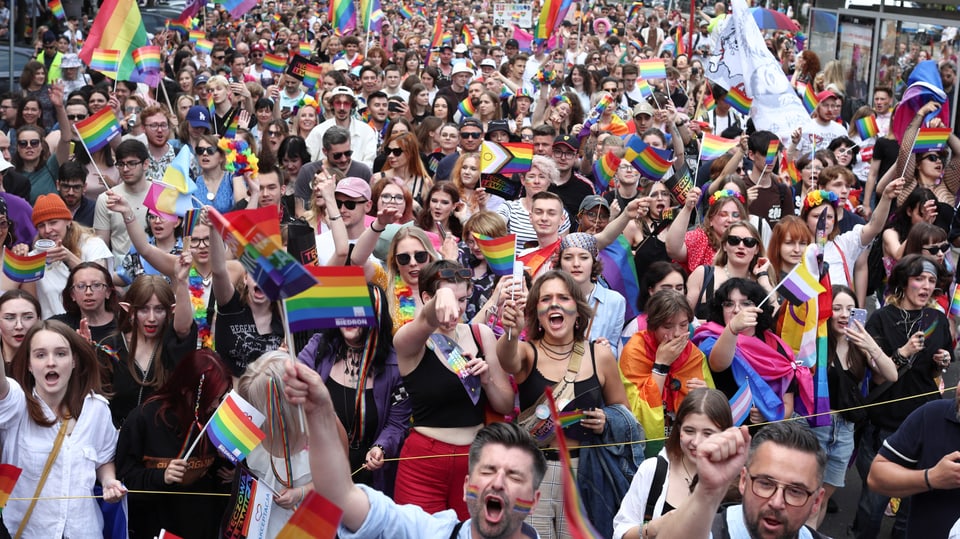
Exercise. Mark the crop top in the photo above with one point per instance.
(535, 384)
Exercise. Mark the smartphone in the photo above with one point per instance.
(393, 106)
(285, 110)
(860, 315)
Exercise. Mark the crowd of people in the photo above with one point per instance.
(647, 309)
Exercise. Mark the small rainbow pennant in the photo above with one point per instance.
(738, 100)
(772, 151)
(867, 127)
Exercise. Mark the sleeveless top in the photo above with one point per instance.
(535, 384)
(438, 397)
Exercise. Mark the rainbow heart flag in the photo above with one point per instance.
(234, 428)
(738, 100)
(274, 63)
(8, 478)
(605, 170)
(810, 101)
(499, 252)
(931, 139)
(106, 61)
(57, 8)
(339, 299)
(867, 127)
(467, 108)
(772, 151)
(97, 130)
(652, 69)
(651, 162)
(316, 518)
(24, 269)
(714, 146)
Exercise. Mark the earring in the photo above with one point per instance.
(576, 325)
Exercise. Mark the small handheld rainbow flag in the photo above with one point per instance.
(57, 8)
(340, 299)
(274, 63)
(738, 100)
(791, 168)
(521, 158)
(646, 91)
(467, 108)
(190, 221)
(106, 61)
(195, 35)
(147, 58)
(316, 518)
(305, 49)
(931, 139)
(955, 302)
(311, 76)
(204, 45)
(406, 12)
(651, 163)
(605, 170)
(234, 428)
(8, 478)
(867, 127)
(810, 101)
(499, 252)
(714, 146)
(772, 151)
(232, 127)
(709, 103)
(97, 130)
(652, 69)
(182, 27)
(24, 269)
(469, 36)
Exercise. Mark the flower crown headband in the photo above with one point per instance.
(726, 193)
(818, 197)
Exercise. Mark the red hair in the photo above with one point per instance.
(201, 373)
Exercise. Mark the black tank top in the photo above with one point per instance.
(438, 397)
(531, 388)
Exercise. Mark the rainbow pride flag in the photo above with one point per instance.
(552, 13)
(274, 63)
(955, 302)
(406, 12)
(57, 8)
(810, 101)
(316, 518)
(604, 171)
(709, 103)
(867, 127)
(339, 299)
(147, 58)
(117, 26)
(738, 100)
(8, 478)
(499, 252)
(190, 221)
(651, 163)
(232, 127)
(305, 49)
(180, 26)
(196, 35)
(791, 167)
(204, 46)
(468, 35)
(343, 16)
(234, 428)
(467, 108)
(714, 146)
(772, 151)
(98, 130)
(106, 61)
(521, 158)
(645, 90)
(931, 139)
(311, 76)
(24, 269)
(652, 69)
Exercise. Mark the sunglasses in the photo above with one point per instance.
(471, 135)
(350, 204)
(206, 150)
(336, 156)
(421, 257)
(33, 143)
(748, 242)
(933, 158)
(937, 249)
(76, 117)
(396, 152)
(451, 274)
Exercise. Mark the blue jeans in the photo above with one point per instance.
(870, 509)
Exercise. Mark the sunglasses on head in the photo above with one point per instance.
(350, 204)
(450, 273)
(937, 249)
(748, 242)
(421, 257)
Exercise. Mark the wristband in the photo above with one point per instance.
(763, 274)
(373, 228)
(660, 368)
(333, 217)
(926, 478)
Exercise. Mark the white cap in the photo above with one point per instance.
(341, 65)
(461, 68)
(460, 49)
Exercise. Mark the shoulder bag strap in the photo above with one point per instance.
(656, 488)
(456, 529)
(43, 477)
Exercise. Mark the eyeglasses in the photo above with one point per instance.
(451, 274)
(421, 257)
(96, 287)
(933, 158)
(471, 135)
(128, 164)
(343, 104)
(659, 194)
(937, 249)
(396, 152)
(558, 154)
(200, 242)
(71, 187)
(256, 54)
(745, 304)
(350, 204)
(748, 242)
(76, 117)
(157, 127)
(386, 198)
(206, 150)
(33, 143)
(766, 487)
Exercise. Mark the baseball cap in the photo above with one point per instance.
(49, 37)
(592, 202)
(460, 49)
(489, 62)
(497, 125)
(201, 79)
(257, 47)
(353, 187)
(643, 107)
(341, 65)
(471, 122)
(342, 90)
(198, 117)
(461, 68)
(568, 141)
(512, 43)
(826, 94)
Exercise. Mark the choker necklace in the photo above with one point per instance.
(556, 355)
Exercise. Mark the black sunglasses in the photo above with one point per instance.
(76, 117)
(33, 143)
(934, 158)
(748, 242)
(936, 249)
(396, 152)
(206, 150)
(420, 256)
(471, 135)
(340, 155)
(451, 274)
(350, 204)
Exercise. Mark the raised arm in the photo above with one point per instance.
(223, 287)
(63, 147)
(164, 262)
(183, 310)
(677, 233)
(879, 217)
(614, 228)
(411, 339)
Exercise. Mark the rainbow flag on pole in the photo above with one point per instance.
(772, 151)
(234, 428)
(552, 14)
(118, 26)
(651, 162)
(521, 158)
(604, 171)
(181, 26)
(24, 269)
(98, 130)
(8, 478)
(645, 90)
(316, 518)
(57, 8)
(204, 46)
(499, 252)
(955, 302)
(709, 103)
(343, 16)
(274, 63)
(931, 139)
(738, 100)
(810, 101)
(106, 61)
(467, 108)
(867, 127)
(714, 146)
(147, 62)
(339, 299)
(652, 69)
(196, 35)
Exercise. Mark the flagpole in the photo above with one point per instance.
(199, 437)
(166, 96)
(288, 337)
(92, 160)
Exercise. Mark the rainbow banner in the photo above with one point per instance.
(714, 146)
(24, 269)
(234, 428)
(339, 299)
(196, 35)
(604, 171)
(312, 75)
(98, 130)
(177, 174)
(772, 151)
(232, 127)
(867, 127)
(204, 46)
(436, 38)
(118, 26)
(620, 273)
(343, 16)
(499, 252)
(274, 63)
(578, 524)
(167, 202)
(651, 162)
(106, 61)
(254, 237)
(931, 139)
(57, 8)
(810, 101)
(535, 259)
(652, 69)
(738, 100)
(316, 518)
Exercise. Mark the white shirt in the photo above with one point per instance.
(50, 288)
(849, 245)
(363, 141)
(823, 134)
(259, 462)
(104, 219)
(634, 502)
(27, 445)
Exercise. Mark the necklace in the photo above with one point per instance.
(910, 325)
(197, 287)
(689, 476)
(352, 361)
(554, 354)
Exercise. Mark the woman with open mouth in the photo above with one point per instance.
(557, 354)
(19, 311)
(90, 301)
(166, 235)
(54, 395)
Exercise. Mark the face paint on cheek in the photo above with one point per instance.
(473, 492)
(523, 506)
